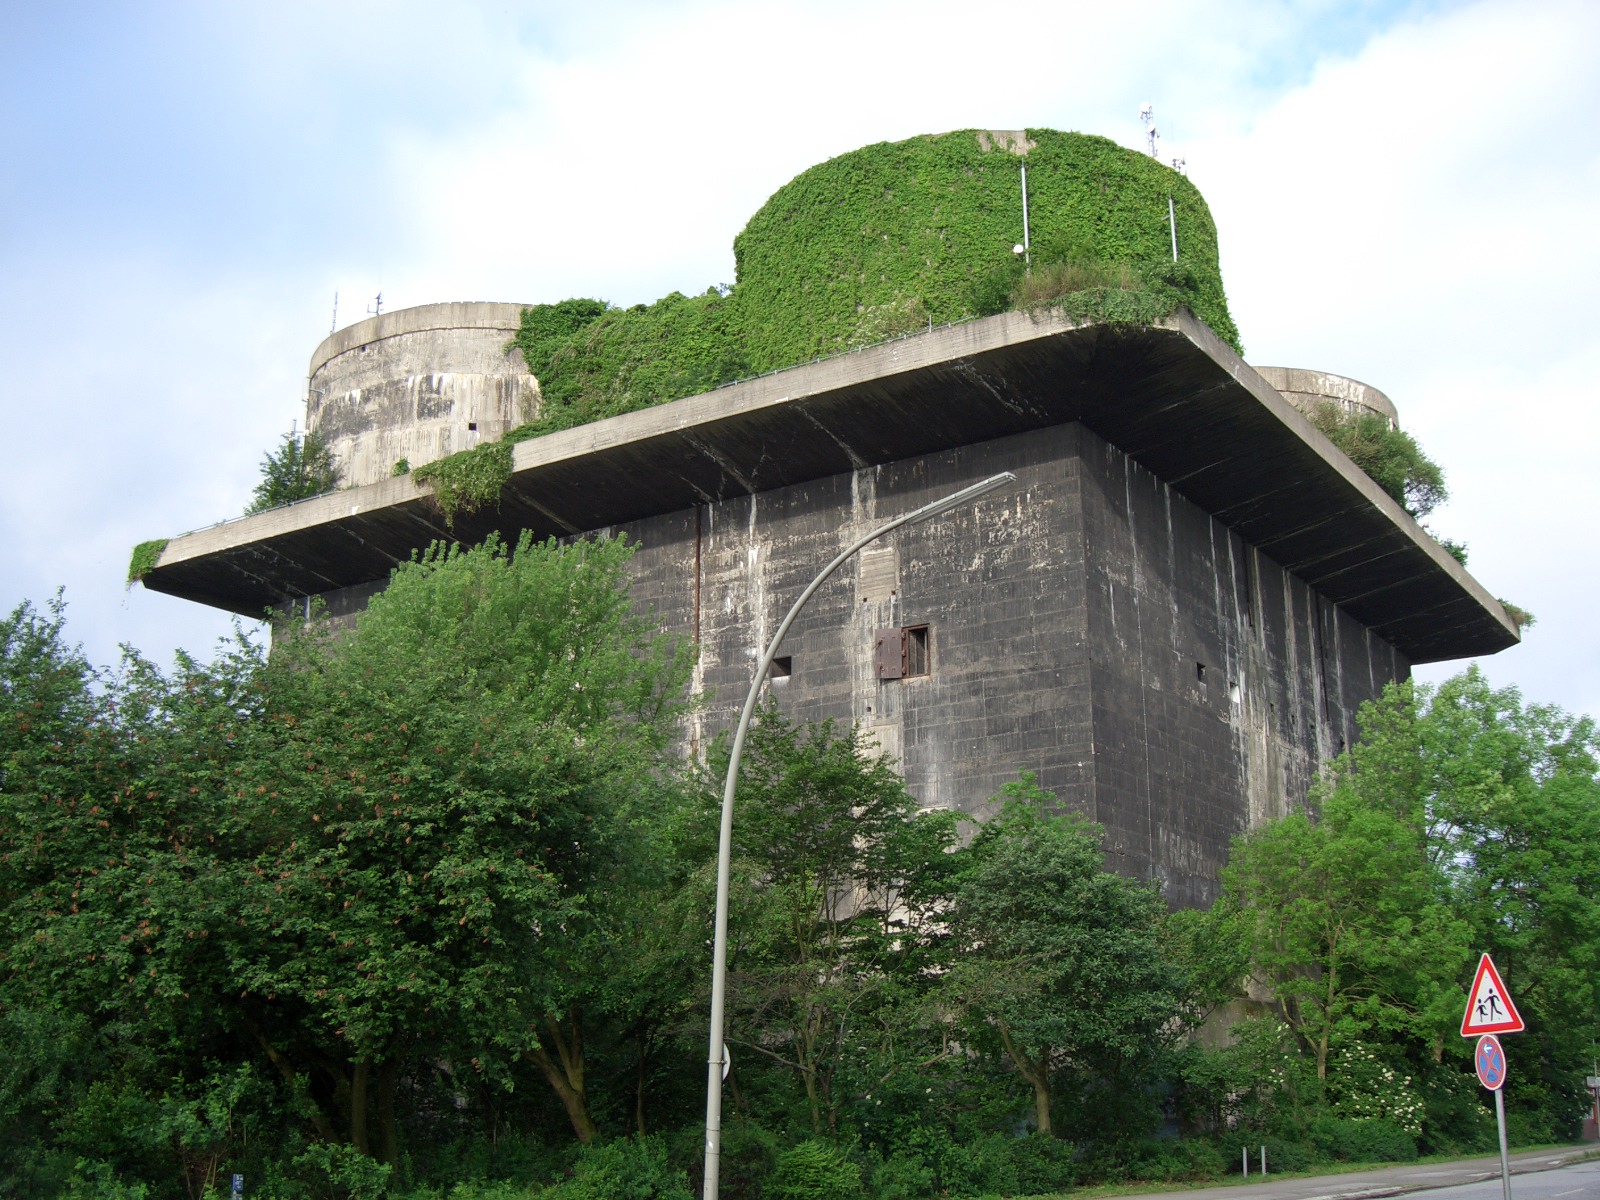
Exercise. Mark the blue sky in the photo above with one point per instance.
(1404, 193)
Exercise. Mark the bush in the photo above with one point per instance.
(625, 1169)
(1361, 1141)
(814, 1170)
(904, 1175)
(1283, 1154)
(981, 1166)
(1455, 1120)
(1044, 1164)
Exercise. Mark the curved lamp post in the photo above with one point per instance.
(719, 963)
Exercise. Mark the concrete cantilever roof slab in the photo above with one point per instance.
(1172, 396)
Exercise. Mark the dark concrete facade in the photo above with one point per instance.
(1087, 624)
(1171, 617)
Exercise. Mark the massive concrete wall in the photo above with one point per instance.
(1088, 624)
(418, 384)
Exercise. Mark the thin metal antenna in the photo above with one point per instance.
(333, 326)
(1147, 114)
(376, 308)
(1027, 245)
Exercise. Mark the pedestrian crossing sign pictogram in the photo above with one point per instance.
(1489, 1007)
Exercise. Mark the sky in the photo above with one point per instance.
(1405, 193)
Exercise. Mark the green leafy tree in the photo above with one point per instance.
(452, 794)
(1062, 957)
(1343, 916)
(1513, 800)
(302, 467)
(841, 881)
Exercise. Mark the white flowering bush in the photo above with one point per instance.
(1363, 1087)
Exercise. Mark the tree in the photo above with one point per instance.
(1513, 800)
(377, 852)
(841, 880)
(1343, 911)
(303, 467)
(452, 796)
(1461, 821)
(1063, 957)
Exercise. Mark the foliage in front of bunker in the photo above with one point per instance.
(887, 238)
(423, 908)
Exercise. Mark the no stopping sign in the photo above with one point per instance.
(1490, 1060)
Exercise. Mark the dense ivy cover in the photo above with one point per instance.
(884, 241)
(883, 238)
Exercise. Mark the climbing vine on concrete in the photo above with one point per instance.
(618, 360)
(935, 218)
(467, 481)
(144, 558)
(885, 241)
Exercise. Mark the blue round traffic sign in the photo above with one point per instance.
(1490, 1060)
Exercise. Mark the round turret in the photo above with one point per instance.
(1309, 390)
(418, 384)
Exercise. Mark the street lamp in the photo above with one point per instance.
(719, 961)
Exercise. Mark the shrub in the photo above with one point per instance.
(814, 1170)
(904, 1175)
(1362, 1141)
(625, 1169)
(1044, 1164)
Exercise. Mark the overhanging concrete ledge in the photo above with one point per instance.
(1172, 396)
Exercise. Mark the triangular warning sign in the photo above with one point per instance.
(1489, 1007)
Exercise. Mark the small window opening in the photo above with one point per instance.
(917, 650)
(473, 426)
(781, 668)
(1200, 671)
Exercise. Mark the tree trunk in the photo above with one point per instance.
(358, 1105)
(564, 1072)
(1036, 1072)
(388, 1128)
(638, 1086)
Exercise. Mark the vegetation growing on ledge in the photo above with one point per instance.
(144, 558)
(1520, 617)
(1390, 456)
(883, 242)
(617, 360)
(465, 482)
(303, 467)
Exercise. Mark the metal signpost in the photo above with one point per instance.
(1491, 1012)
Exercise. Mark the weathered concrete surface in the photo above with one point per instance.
(1087, 624)
(418, 384)
(1307, 390)
(1176, 400)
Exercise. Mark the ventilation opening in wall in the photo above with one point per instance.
(781, 668)
(1200, 671)
(472, 426)
(902, 653)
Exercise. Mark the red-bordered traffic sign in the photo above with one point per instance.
(1490, 1059)
(1489, 1007)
